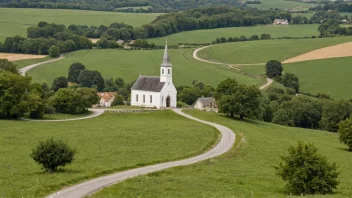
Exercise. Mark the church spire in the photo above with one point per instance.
(166, 58)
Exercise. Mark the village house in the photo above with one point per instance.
(156, 91)
(280, 22)
(206, 104)
(106, 98)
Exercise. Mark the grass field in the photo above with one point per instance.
(15, 21)
(109, 143)
(307, 15)
(61, 116)
(282, 4)
(130, 64)
(208, 36)
(23, 63)
(265, 50)
(246, 171)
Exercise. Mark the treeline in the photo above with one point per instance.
(242, 38)
(318, 17)
(160, 6)
(332, 28)
(44, 36)
(340, 6)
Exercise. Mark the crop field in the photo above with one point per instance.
(208, 36)
(106, 144)
(282, 4)
(130, 64)
(15, 21)
(265, 50)
(246, 171)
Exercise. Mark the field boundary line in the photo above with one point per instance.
(86, 188)
(25, 69)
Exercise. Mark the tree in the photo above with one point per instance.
(60, 82)
(119, 82)
(54, 51)
(52, 154)
(291, 81)
(333, 113)
(226, 87)
(110, 86)
(118, 100)
(8, 66)
(307, 172)
(36, 104)
(74, 70)
(273, 68)
(189, 95)
(88, 78)
(345, 132)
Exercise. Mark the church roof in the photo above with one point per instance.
(166, 58)
(148, 83)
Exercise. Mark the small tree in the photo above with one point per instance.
(118, 100)
(345, 132)
(291, 81)
(306, 171)
(52, 154)
(54, 51)
(58, 83)
(273, 68)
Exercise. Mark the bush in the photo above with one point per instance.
(273, 68)
(291, 81)
(118, 100)
(182, 104)
(52, 154)
(54, 51)
(306, 171)
(345, 132)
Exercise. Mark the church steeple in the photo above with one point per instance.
(166, 58)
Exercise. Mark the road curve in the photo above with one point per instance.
(225, 144)
(195, 56)
(29, 67)
(96, 113)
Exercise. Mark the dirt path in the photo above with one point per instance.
(16, 57)
(29, 67)
(336, 51)
(86, 188)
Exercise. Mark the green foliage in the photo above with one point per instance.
(54, 51)
(60, 82)
(88, 78)
(345, 132)
(118, 100)
(119, 82)
(74, 70)
(36, 104)
(189, 95)
(110, 85)
(8, 66)
(291, 81)
(333, 113)
(273, 68)
(52, 154)
(306, 171)
(226, 87)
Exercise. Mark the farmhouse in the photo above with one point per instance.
(280, 22)
(155, 91)
(207, 104)
(106, 98)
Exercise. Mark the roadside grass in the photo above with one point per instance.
(209, 35)
(246, 171)
(265, 50)
(15, 21)
(129, 64)
(106, 144)
(22, 63)
(61, 116)
(282, 4)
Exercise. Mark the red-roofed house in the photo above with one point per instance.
(106, 98)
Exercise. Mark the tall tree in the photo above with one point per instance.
(273, 68)
(88, 78)
(58, 83)
(74, 70)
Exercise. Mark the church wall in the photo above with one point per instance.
(169, 90)
(155, 98)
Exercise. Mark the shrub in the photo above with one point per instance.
(118, 100)
(345, 132)
(52, 154)
(306, 171)
(273, 68)
(54, 51)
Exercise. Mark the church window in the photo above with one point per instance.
(143, 98)
(136, 97)
(162, 71)
(168, 71)
(151, 99)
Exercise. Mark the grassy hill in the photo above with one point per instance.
(208, 36)
(15, 21)
(245, 171)
(106, 144)
(130, 64)
(282, 4)
(265, 50)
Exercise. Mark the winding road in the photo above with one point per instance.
(25, 69)
(96, 113)
(195, 56)
(86, 188)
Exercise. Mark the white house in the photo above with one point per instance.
(106, 98)
(207, 104)
(155, 91)
(280, 22)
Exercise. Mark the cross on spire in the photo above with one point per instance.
(166, 58)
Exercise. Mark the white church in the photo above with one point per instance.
(156, 91)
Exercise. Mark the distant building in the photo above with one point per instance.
(106, 98)
(155, 91)
(280, 22)
(345, 21)
(120, 42)
(207, 104)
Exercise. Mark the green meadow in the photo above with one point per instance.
(246, 171)
(15, 21)
(129, 64)
(265, 50)
(209, 35)
(106, 144)
(282, 4)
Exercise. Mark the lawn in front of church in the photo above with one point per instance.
(109, 143)
(129, 64)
